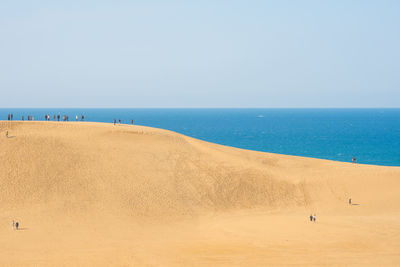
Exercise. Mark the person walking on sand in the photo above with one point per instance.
(315, 217)
(349, 201)
(13, 224)
(16, 225)
(354, 159)
(311, 218)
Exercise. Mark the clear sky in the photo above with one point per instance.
(199, 53)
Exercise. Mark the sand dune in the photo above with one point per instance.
(99, 195)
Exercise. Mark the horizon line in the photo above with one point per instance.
(199, 107)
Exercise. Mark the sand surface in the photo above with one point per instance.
(92, 194)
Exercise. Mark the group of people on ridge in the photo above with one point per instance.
(47, 117)
(119, 122)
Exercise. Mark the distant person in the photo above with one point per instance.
(115, 121)
(9, 116)
(13, 224)
(315, 217)
(76, 118)
(58, 117)
(349, 201)
(7, 134)
(23, 118)
(354, 159)
(16, 225)
(311, 218)
(119, 121)
(12, 116)
(83, 118)
(132, 122)
(54, 117)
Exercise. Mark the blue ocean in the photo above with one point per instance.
(372, 136)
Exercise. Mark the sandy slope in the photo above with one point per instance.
(97, 194)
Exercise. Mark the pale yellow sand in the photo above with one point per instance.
(99, 195)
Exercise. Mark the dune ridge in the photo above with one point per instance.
(193, 202)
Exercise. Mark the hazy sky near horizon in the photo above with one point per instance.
(200, 54)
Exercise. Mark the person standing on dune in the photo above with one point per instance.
(315, 217)
(311, 218)
(16, 225)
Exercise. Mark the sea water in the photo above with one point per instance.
(370, 135)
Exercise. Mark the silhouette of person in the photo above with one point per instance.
(16, 225)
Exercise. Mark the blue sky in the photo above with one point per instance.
(200, 54)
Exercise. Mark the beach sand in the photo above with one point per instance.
(94, 194)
